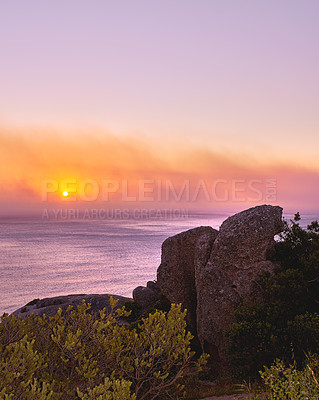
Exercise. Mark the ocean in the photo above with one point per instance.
(42, 258)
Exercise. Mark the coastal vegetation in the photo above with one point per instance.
(129, 355)
(78, 355)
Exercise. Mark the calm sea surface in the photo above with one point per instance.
(50, 258)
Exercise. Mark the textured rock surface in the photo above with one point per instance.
(146, 296)
(49, 306)
(239, 254)
(176, 273)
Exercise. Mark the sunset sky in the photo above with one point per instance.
(213, 96)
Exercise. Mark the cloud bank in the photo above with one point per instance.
(128, 171)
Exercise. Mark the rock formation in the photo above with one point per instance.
(212, 272)
(176, 274)
(147, 296)
(239, 254)
(50, 305)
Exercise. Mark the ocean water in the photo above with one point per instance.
(50, 258)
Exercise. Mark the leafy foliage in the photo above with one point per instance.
(290, 383)
(77, 355)
(121, 391)
(286, 323)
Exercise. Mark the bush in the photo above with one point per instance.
(133, 309)
(81, 356)
(304, 331)
(286, 323)
(120, 391)
(288, 383)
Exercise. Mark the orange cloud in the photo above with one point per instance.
(128, 171)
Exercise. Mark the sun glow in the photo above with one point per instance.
(65, 194)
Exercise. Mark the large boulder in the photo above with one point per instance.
(50, 305)
(176, 273)
(147, 296)
(239, 254)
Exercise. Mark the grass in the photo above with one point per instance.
(199, 389)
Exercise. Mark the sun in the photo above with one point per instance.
(65, 194)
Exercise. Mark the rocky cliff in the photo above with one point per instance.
(239, 254)
(211, 272)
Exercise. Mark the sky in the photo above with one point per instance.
(208, 104)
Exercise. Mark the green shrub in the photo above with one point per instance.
(304, 331)
(133, 309)
(288, 383)
(252, 340)
(78, 355)
(18, 364)
(109, 390)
